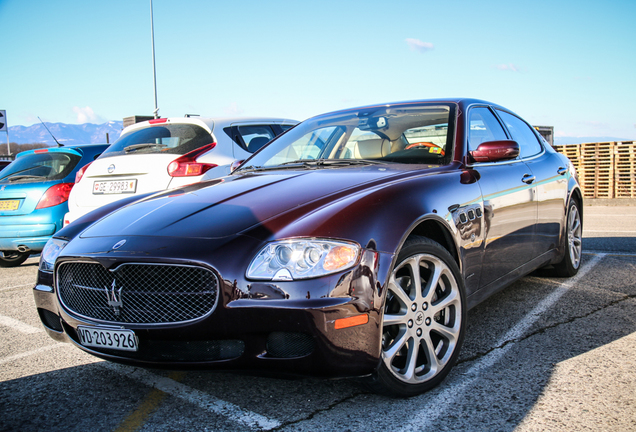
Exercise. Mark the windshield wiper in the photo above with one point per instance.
(311, 163)
(136, 147)
(332, 162)
(24, 177)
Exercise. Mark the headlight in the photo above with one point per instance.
(302, 259)
(50, 252)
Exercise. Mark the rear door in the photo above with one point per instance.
(550, 182)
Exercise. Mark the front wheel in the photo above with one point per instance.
(572, 242)
(424, 320)
(13, 258)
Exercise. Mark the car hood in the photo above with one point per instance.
(233, 204)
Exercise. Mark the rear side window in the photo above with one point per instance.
(176, 139)
(522, 133)
(256, 137)
(252, 137)
(37, 167)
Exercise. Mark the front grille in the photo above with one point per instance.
(137, 293)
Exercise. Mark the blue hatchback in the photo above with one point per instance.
(34, 191)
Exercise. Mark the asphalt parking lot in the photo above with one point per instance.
(544, 354)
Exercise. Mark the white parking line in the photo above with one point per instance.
(19, 325)
(33, 352)
(16, 287)
(586, 231)
(196, 397)
(626, 254)
(442, 401)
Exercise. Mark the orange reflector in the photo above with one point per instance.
(351, 321)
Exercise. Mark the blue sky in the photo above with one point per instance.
(571, 65)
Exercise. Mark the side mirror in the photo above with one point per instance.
(495, 151)
(235, 165)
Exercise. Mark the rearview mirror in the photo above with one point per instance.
(495, 151)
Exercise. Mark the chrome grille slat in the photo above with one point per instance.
(148, 293)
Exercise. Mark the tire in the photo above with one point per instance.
(572, 243)
(13, 258)
(422, 330)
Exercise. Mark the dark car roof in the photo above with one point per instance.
(458, 101)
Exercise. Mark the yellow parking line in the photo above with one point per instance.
(137, 418)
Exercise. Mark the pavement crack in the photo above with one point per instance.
(319, 411)
(546, 328)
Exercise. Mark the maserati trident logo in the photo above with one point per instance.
(113, 295)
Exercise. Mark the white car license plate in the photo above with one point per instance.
(124, 340)
(114, 186)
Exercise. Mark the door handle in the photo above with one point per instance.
(528, 178)
(562, 170)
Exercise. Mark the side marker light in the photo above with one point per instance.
(353, 321)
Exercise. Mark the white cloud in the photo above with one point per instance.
(508, 67)
(233, 109)
(419, 46)
(87, 115)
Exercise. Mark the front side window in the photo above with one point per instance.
(483, 127)
(415, 134)
(36, 167)
(176, 139)
(522, 133)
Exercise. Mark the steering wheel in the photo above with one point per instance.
(432, 148)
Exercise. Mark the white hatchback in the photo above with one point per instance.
(167, 153)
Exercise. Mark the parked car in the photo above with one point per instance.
(169, 152)
(352, 245)
(34, 191)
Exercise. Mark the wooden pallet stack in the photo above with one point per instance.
(573, 152)
(606, 169)
(625, 169)
(596, 172)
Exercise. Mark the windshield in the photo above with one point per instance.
(41, 166)
(409, 133)
(168, 138)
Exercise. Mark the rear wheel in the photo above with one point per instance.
(572, 242)
(424, 320)
(13, 258)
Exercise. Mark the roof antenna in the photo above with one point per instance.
(58, 143)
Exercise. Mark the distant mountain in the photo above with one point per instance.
(66, 133)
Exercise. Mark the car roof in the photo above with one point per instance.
(63, 148)
(459, 101)
(209, 123)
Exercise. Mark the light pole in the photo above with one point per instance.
(154, 69)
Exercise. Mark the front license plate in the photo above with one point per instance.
(114, 187)
(124, 340)
(9, 204)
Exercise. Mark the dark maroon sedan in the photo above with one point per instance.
(352, 245)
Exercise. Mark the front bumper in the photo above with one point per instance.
(251, 329)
